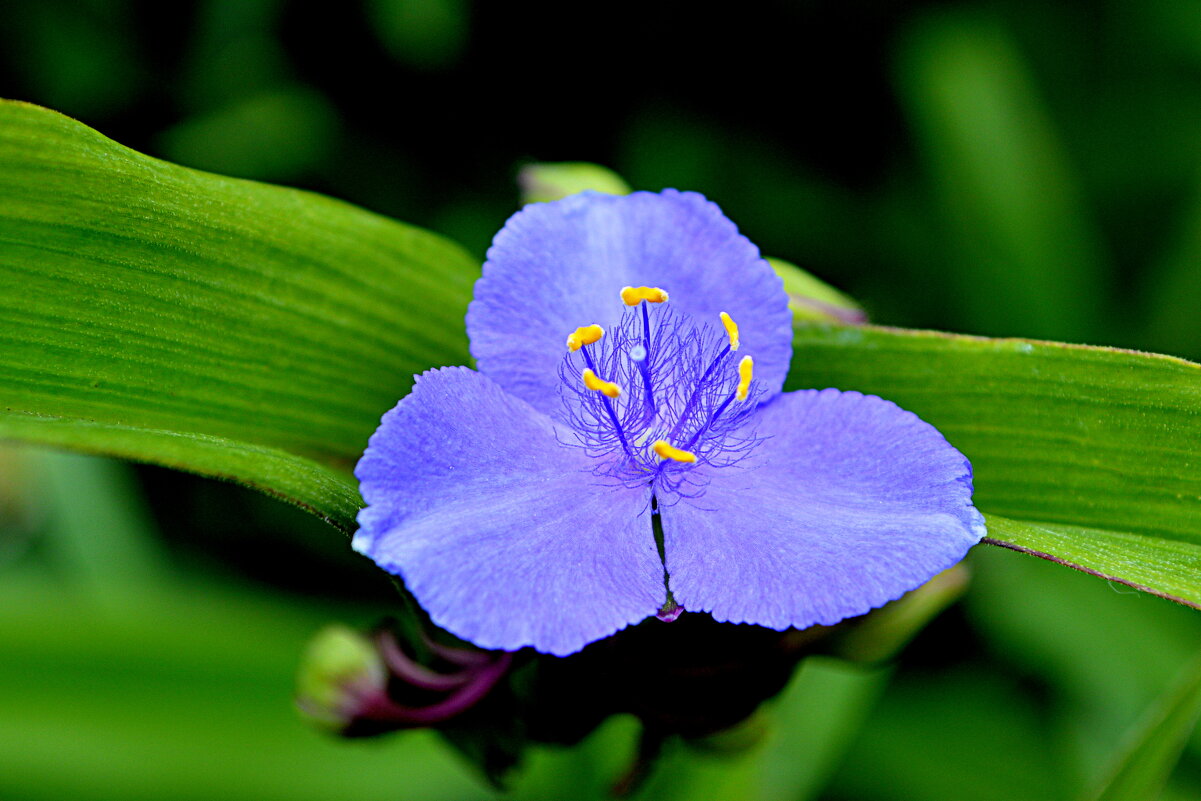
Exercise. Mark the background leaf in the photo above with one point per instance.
(125, 674)
(1142, 767)
(234, 329)
(1025, 256)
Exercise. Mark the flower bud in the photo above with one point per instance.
(541, 183)
(340, 668)
(813, 300)
(360, 686)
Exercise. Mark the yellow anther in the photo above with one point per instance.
(600, 385)
(731, 330)
(584, 335)
(633, 295)
(744, 377)
(666, 451)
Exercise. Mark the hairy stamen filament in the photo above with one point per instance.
(685, 414)
(644, 366)
(621, 434)
(712, 419)
(745, 368)
(696, 393)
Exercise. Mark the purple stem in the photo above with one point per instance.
(463, 657)
(479, 682)
(404, 668)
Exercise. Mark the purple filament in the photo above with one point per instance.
(682, 391)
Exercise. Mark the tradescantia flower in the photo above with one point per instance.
(631, 353)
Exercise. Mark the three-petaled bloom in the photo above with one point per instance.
(518, 502)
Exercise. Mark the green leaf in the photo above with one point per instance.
(185, 693)
(234, 329)
(882, 634)
(101, 534)
(1142, 766)
(1087, 456)
(816, 720)
(1175, 285)
(256, 333)
(788, 749)
(117, 684)
(970, 735)
(1160, 565)
(327, 492)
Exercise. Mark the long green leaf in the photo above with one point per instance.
(327, 492)
(255, 333)
(1157, 564)
(1095, 453)
(222, 326)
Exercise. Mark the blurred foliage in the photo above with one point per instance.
(999, 167)
(1142, 766)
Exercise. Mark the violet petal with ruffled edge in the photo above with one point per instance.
(557, 266)
(498, 530)
(849, 503)
(516, 502)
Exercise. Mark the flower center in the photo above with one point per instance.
(658, 395)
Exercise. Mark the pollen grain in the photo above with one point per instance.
(633, 295)
(745, 368)
(731, 330)
(667, 451)
(607, 388)
(584, 335)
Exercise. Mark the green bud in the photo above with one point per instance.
(813, 300)
(541, 183)
(339, 668)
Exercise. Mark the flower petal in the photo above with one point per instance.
(498, 530)
(848, 503)
(557, 266)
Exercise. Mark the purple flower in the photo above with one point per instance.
(520, 503)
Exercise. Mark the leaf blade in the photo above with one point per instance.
(327, 492)
(1151, 564)
(150, 292)
(234, 329)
